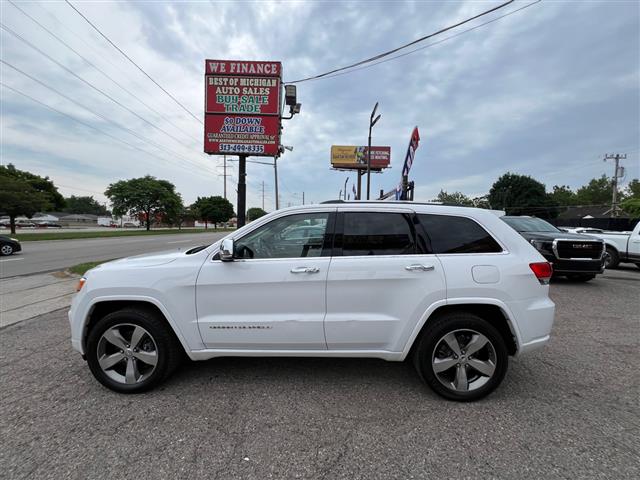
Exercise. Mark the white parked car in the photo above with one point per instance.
(455, 289)
(620, 246)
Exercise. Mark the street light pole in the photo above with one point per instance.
(345, 188)
(372, 122)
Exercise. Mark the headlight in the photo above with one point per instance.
(15, 240)
(541, 245)
(81, 283)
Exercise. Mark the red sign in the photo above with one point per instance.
(252, 95)
(240, 134)
(238, 67)
(242, 107)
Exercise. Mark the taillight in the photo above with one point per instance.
(542, 271)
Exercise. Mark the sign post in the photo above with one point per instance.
(242, 113)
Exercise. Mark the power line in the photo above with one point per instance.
(88, 125)
(402, 47)
(435, 43)
(27, 42)
(96, 67)
(108, 120)
(134, 63)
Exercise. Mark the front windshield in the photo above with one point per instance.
(529, 224)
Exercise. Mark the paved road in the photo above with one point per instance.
(45, 256)
(567, 411)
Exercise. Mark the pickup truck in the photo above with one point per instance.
(620, 246)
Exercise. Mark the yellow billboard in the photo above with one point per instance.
(355, 157)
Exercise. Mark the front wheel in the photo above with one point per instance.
(611, 258)
(132, 350)
(6, 250)
(461, 357)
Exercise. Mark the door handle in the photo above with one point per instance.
(305, 270)
(419, 268)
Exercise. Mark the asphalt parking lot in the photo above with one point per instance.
(567, 411)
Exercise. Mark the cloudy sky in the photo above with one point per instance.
(546, 91)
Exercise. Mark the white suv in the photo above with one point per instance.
(455, 289)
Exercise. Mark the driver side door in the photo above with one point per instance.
(272, 296)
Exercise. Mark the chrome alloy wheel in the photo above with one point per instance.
(464, 360)
(127, 353)
(6, 250)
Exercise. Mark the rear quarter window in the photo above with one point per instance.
(450, 234)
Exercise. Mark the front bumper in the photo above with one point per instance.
(585, 267)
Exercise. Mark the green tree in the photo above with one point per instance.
(596, 192)
(146, 197)
(84, 205)
(180, 216)
(521, 195)
(18, 197)
(563, 195)
(214, 210)
(455, 198)
(633, 189)
(24, 193)
(631, 206)
(255, 213)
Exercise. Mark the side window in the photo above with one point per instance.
(373, 233)
(294, 236)
(451, 234)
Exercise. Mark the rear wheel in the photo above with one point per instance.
(611, 258)
(461, 357)
(132, 350)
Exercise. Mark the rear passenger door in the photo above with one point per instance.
(381, 280)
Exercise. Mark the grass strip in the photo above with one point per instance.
(81, 268)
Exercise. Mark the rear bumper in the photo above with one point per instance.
(534, 322)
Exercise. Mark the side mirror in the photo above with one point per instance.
(226, 250)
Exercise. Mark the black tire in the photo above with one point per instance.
(611, 258)
(167, 348)
(6, 249)
(581, 278)
(432, 337)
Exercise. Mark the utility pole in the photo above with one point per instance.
(263, 195)
(303, 198)
(618, 172)
(224, 175)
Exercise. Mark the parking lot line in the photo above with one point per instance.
(10, 259)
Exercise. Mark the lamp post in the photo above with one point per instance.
(372, 122)
(345, 188)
